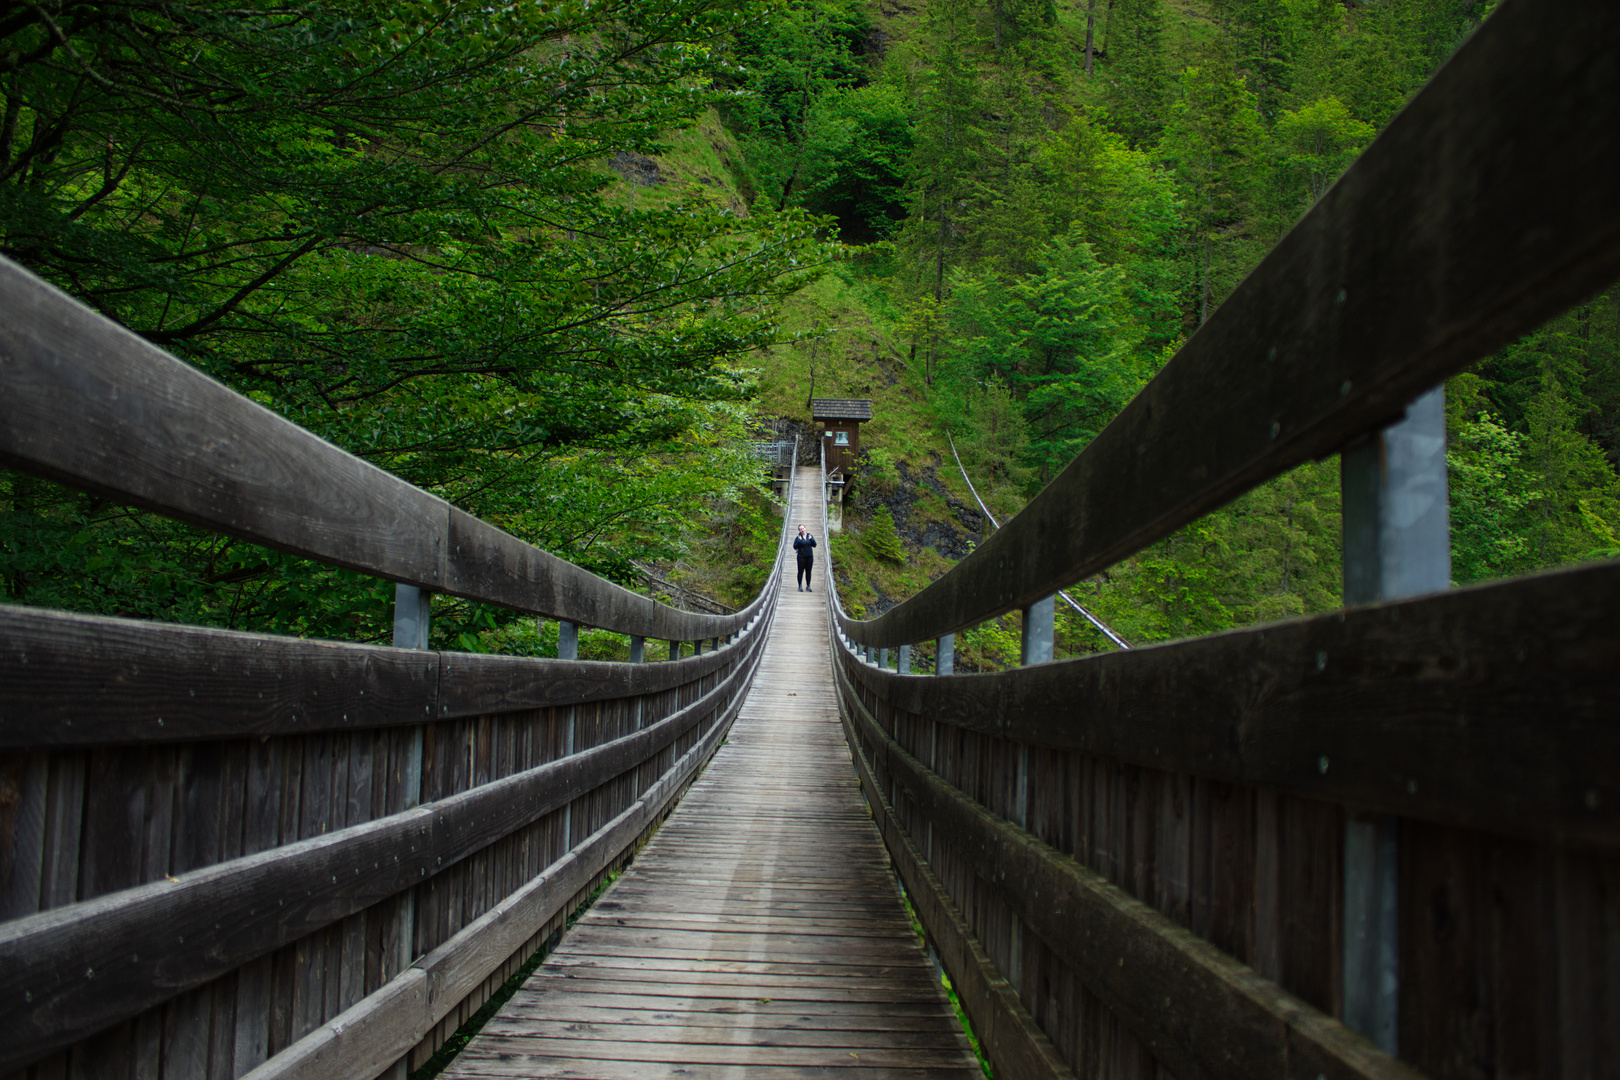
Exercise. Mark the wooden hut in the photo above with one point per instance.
(841, 418)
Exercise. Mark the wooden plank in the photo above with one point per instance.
(1407, 270)
(224, 913)
(1200, 1012)
(484, 561)
(520, 1048)
(653, 1032)
(93, 405)
(83, 680)
(367, 1038)
(1007, 1033)
(24, 784)
(763, 903)
(589, 1069)
(1489, 706)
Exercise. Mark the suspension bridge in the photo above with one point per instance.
(1381, 843)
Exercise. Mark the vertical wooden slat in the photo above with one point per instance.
(24, 783)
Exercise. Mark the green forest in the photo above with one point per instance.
(561, 263)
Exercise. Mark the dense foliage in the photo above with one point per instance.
(400, 226)
(1085, 184)
(394, 225)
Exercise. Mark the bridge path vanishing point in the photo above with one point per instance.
(761, 930)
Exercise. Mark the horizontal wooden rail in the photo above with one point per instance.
(74, 970)
(91, 405)
(84, 680)
(364, 1040)
(1008, 1034)
(1491, 707)
(1198, 1010)
(216, 835)
(1492, 192)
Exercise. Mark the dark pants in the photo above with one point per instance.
(804, 572)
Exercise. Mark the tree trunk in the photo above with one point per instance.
(939, 290)
(1203, 304)
(1091, 12)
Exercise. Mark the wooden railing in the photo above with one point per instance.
(228, 854)
(1379, 842)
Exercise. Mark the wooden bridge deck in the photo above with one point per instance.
(760, 932)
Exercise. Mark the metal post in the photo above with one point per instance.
(1036, 641)
(638, 649)
(945, 655)
(568, 649)
(1397, 544)
(905, 659)
(1035, 647)
(413, 611)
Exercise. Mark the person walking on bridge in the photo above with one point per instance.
(804, 546)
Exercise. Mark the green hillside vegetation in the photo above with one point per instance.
(560, 264)
(404, 229)
(1083, 186)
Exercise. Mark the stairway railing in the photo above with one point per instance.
(1227, 856)
(228, 854)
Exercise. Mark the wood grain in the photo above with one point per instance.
(1198, 1010)
(1491, 707)
(76, 969)
(760, 928)
(79, 680)
(366, 1038)
(92, 405)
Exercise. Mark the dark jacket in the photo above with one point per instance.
(802, 546)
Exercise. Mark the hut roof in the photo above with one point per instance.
(841, 409)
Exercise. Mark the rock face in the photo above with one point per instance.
(638, 169)
(953, 541)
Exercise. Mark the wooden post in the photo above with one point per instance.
(883, 659)
(638, 649)
(945, 655)
(905, 660)
(567, 640)
(1397, 543)
(674, 650)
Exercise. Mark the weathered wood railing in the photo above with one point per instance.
(1225, 857)
(227, 853)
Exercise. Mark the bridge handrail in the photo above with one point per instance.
(1319, 345)
(409, 823)
(1195, 854)
(92, 405)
